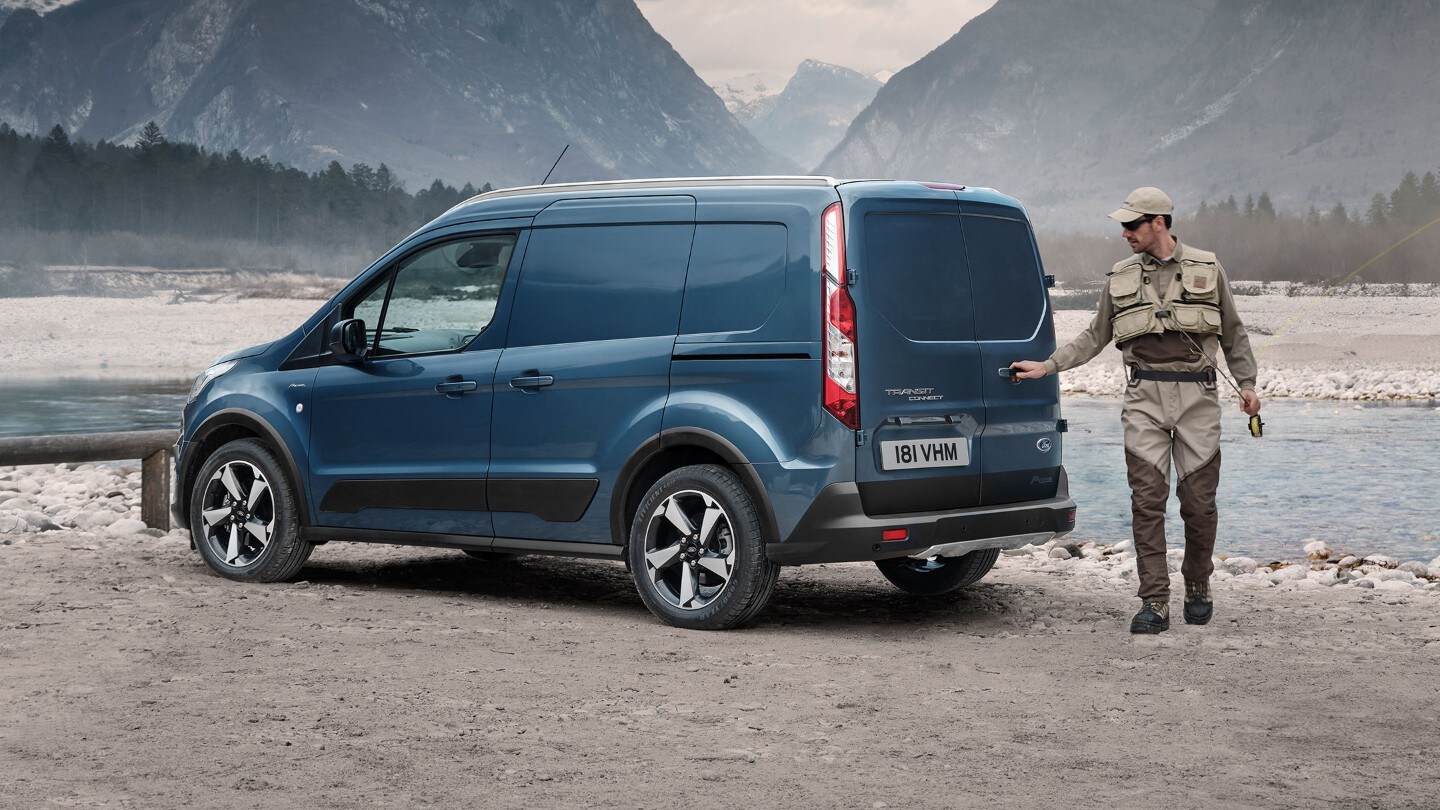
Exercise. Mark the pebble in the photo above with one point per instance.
(1418, 569)
(126, 527)
(1395, 585)
(92, 521)
(1240, 565)
(1382, 560)
(1290, 574)
(1058, 553)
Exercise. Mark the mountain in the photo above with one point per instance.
(806, 120)
(38, 6)
(1312, 101)
(463, 90)
(747, 96)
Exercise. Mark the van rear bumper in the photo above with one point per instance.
(836, 529)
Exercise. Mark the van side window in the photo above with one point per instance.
(1009, 289)
(918, 274)
(601, 282)
(436, 300)
(736, 277)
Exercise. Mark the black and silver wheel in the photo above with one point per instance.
(243, 515)
(933, 576)
(696, 553)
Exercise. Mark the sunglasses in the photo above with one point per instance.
(1136, 223)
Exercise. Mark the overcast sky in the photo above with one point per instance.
(723, 39)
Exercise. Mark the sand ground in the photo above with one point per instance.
(133, 677)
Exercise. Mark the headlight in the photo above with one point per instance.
(206, 376)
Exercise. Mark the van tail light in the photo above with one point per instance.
(840, 397)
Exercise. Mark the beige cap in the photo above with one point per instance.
(1142, 201)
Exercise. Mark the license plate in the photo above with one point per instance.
(921, 453)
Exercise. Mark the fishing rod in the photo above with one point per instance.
(1257, 427)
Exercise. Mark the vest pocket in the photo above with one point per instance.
(1134, 322)
(1196, 318)
(1199, 280)
(1125, 288)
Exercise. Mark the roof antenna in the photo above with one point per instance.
(557, 163)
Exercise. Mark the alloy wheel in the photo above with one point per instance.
(238, 513)
(689, 549)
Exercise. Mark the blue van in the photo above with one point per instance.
(707, 379)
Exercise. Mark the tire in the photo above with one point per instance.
(696, 552)
(243, 515)
(938, 575)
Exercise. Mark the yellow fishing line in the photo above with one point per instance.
(1321, 297)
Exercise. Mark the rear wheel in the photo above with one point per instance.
(696, 552)
(243, 515)
(936, 575)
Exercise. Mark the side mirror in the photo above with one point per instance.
(347, 341)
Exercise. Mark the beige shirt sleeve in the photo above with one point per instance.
(1233, 339)
(1087, 344)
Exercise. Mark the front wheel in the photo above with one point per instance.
(936, 575)
(696, 552)
(243, 515)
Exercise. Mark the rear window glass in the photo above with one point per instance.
(736, 278)
(1009, 292)
(600, 283)
(917, 274)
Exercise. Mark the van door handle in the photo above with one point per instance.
(538, 381)
(1009, 374)
(454, 388)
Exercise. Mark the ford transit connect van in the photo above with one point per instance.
(707, 379)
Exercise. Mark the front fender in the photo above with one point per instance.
(256, 417)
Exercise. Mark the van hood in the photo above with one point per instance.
(238, 354)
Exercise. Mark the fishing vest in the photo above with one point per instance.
(1191, 298)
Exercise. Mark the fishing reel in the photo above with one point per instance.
(1257, 427)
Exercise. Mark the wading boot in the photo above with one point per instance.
(1154, 617)
(1198, 606)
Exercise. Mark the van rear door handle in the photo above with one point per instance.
(451, 388)
(539, 381)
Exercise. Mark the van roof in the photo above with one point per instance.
(659, 182)
(517, 201)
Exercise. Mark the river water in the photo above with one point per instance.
(1365, 478)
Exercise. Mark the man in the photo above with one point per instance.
(1168, 308)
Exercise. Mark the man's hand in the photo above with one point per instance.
(1249, 402)
(1031, 370)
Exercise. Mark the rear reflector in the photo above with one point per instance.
(894, 534)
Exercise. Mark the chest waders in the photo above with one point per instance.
(1171, 411)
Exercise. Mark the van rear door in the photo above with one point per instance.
(1013, 322)
(947, 292)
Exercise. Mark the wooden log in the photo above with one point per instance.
(152, 447)
(85, 446)
(155, 490)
